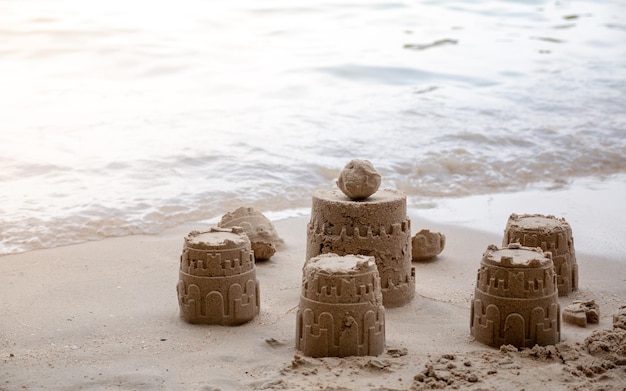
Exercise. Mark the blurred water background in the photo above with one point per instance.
(126, 117)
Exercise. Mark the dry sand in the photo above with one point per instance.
(104, 315)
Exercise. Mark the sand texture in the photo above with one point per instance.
(105, 315)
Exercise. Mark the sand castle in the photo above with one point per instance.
(358, 260)
(551, 234)
(377, 225)
(341, 311)
(217, 278)
(359, 179)
(515, 301)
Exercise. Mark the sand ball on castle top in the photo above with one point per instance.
(263, 236)
(359, 179)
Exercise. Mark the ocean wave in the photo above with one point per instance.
(116, 123)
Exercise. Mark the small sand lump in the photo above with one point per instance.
(426, 245)
(359, 179)
(259, 229)
(619, 318)
(581, 313)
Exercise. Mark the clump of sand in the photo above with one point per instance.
(426, 245)
(359, 179)
(566, 365)
(610, 344)
(263, 236)
(581, 312)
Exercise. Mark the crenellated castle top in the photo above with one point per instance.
(349, 279)
(216, 263)
(536, 230)
(516, 271)
(364, 231)
(216, 253)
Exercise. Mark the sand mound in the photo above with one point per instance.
(262, 234)
(425, 245)
(564, 366)
(609, 345)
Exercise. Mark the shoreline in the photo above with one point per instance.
(590, 206)
(105, 314)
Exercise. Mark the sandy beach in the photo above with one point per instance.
(104, 315)
(127, 125)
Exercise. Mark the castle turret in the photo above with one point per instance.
(516, 299)
(217, 278)
(551, 234)
(341, 312)
(376, 226)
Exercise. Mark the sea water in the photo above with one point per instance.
(121, 118)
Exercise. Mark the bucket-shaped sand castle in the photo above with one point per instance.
(341, 309)
(551, 234)
(516, 299)
(217, 278)
(360, 219)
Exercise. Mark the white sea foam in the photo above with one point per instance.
(119, 120)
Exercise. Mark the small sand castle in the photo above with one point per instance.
(426, 245)
(516, 300)
(341, 311)
(377, 225)
(551, 234)
(263, 236)
(217, 283)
